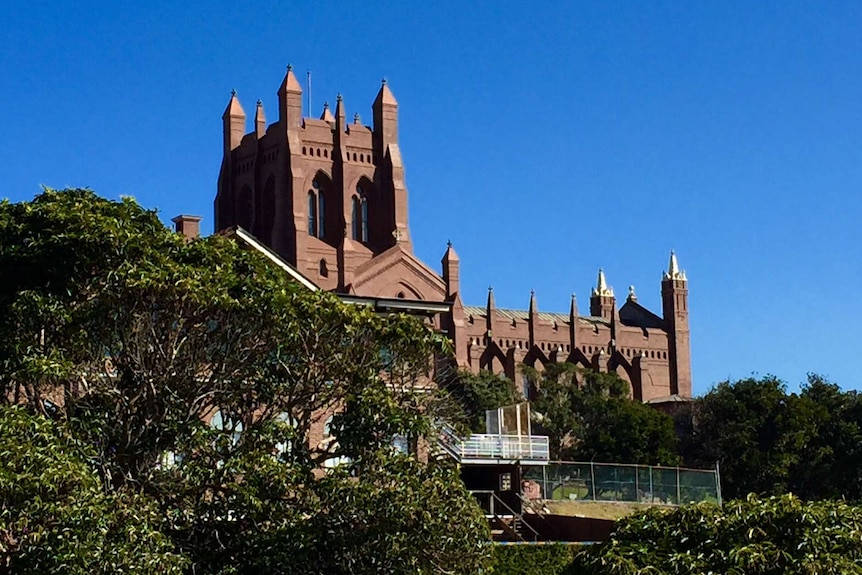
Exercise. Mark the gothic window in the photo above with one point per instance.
(316, 211)
(359, 224)
(364, 213)
(312, 213)
(321, 211)
(355, 217)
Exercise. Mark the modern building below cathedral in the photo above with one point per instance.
(328, 196)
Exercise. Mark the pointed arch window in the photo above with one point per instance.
(312, 213)
(321, 214)
(360, 215)
(316, 211)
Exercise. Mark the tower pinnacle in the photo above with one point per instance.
(673, 272)
(602, 288)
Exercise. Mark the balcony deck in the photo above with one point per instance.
(486, 449)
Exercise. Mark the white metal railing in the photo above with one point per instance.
(488, 446)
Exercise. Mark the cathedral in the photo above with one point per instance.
(328, 197)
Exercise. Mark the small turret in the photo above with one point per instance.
(490, 311)
(327, 114)
(674, 303)
(385, 111)
(533, 318)
(290, 101)
(673, 272)
(259, 121)
(339, 114)
(233, 121)
(451, 271)
(602, 301)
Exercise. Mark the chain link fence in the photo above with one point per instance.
(574, 481)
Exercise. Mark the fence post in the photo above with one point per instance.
(545, 482)
(651, 490)
(593, 479)
(717, 483)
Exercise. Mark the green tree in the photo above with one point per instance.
(55, 517)
(780, 535)
(478, 393)
(589, 416)
(756, 432)
(144, 336)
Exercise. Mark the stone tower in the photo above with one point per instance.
(325, 194)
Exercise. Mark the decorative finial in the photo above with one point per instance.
(448, 243)
(673, 272)
(532, 292)
(602, 288)
(383, 81)
(259, 103)
(490, 288)
(290, 67)
(356, 119)
(338, 97)
(326, 105)
(632, 295)
(233, 93)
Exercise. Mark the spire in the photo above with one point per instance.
(290, 100)
(233, 121)
(259, 120)
(450, 255)
(602, 288)
(234, 109)
(339, 110)
(327, 114)
(451, 270)
(290, 83)
(673, 272)
(490, 312)
(385, 96)
(573, 323)
(385, 112)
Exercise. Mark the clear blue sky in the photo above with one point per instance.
(543, 140)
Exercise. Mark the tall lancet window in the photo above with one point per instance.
(356, 219)
(364, 201)
(312, 213)
(316, 211)
(321, 214)
(360, 215)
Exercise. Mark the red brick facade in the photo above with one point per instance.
(329, 197)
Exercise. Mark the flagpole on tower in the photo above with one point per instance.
(308, 91)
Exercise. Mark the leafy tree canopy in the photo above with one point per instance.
(54, 516)
(478, 393)
(589, 416)
(780, 535)
(133, 339)
(769, 441)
